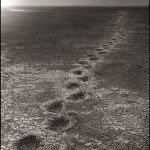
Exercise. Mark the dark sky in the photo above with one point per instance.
(79, 2)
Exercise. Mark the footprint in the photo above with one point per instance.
(93, 58)
(72, 85)
(99, 50)
(78, 72)
(77, 96)
(106, 46)
(82, 62)
(109, 42)
(30, 142)
(84, 79)
(91, 55)
(54, 106)
(100, 53)
(114, 39)
(122, 38)
(60, 123)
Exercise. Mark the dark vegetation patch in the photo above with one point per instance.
(59, 123)
(84, 79)
(30, 142)
(77, 96)
(72, 85)
(54, 106)
(78, 72)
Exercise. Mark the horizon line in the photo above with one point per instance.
(78, 6)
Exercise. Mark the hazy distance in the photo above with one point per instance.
(75, 2)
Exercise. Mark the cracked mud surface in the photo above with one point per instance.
(71, 102)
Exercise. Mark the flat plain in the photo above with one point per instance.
(74, 78)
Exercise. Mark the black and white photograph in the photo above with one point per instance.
(74, 74)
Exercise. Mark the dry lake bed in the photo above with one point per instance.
(74, 78)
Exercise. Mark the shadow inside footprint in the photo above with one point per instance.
(101, 53)
(72, 85)
(78, 72)
(77, 96)
(98, 50)
(59, 123)
(55, 106)
(84, 79)
(114, 39)
(93, 58)
(121, 38)
(109, 42)
(30, 142)
(90, 55)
